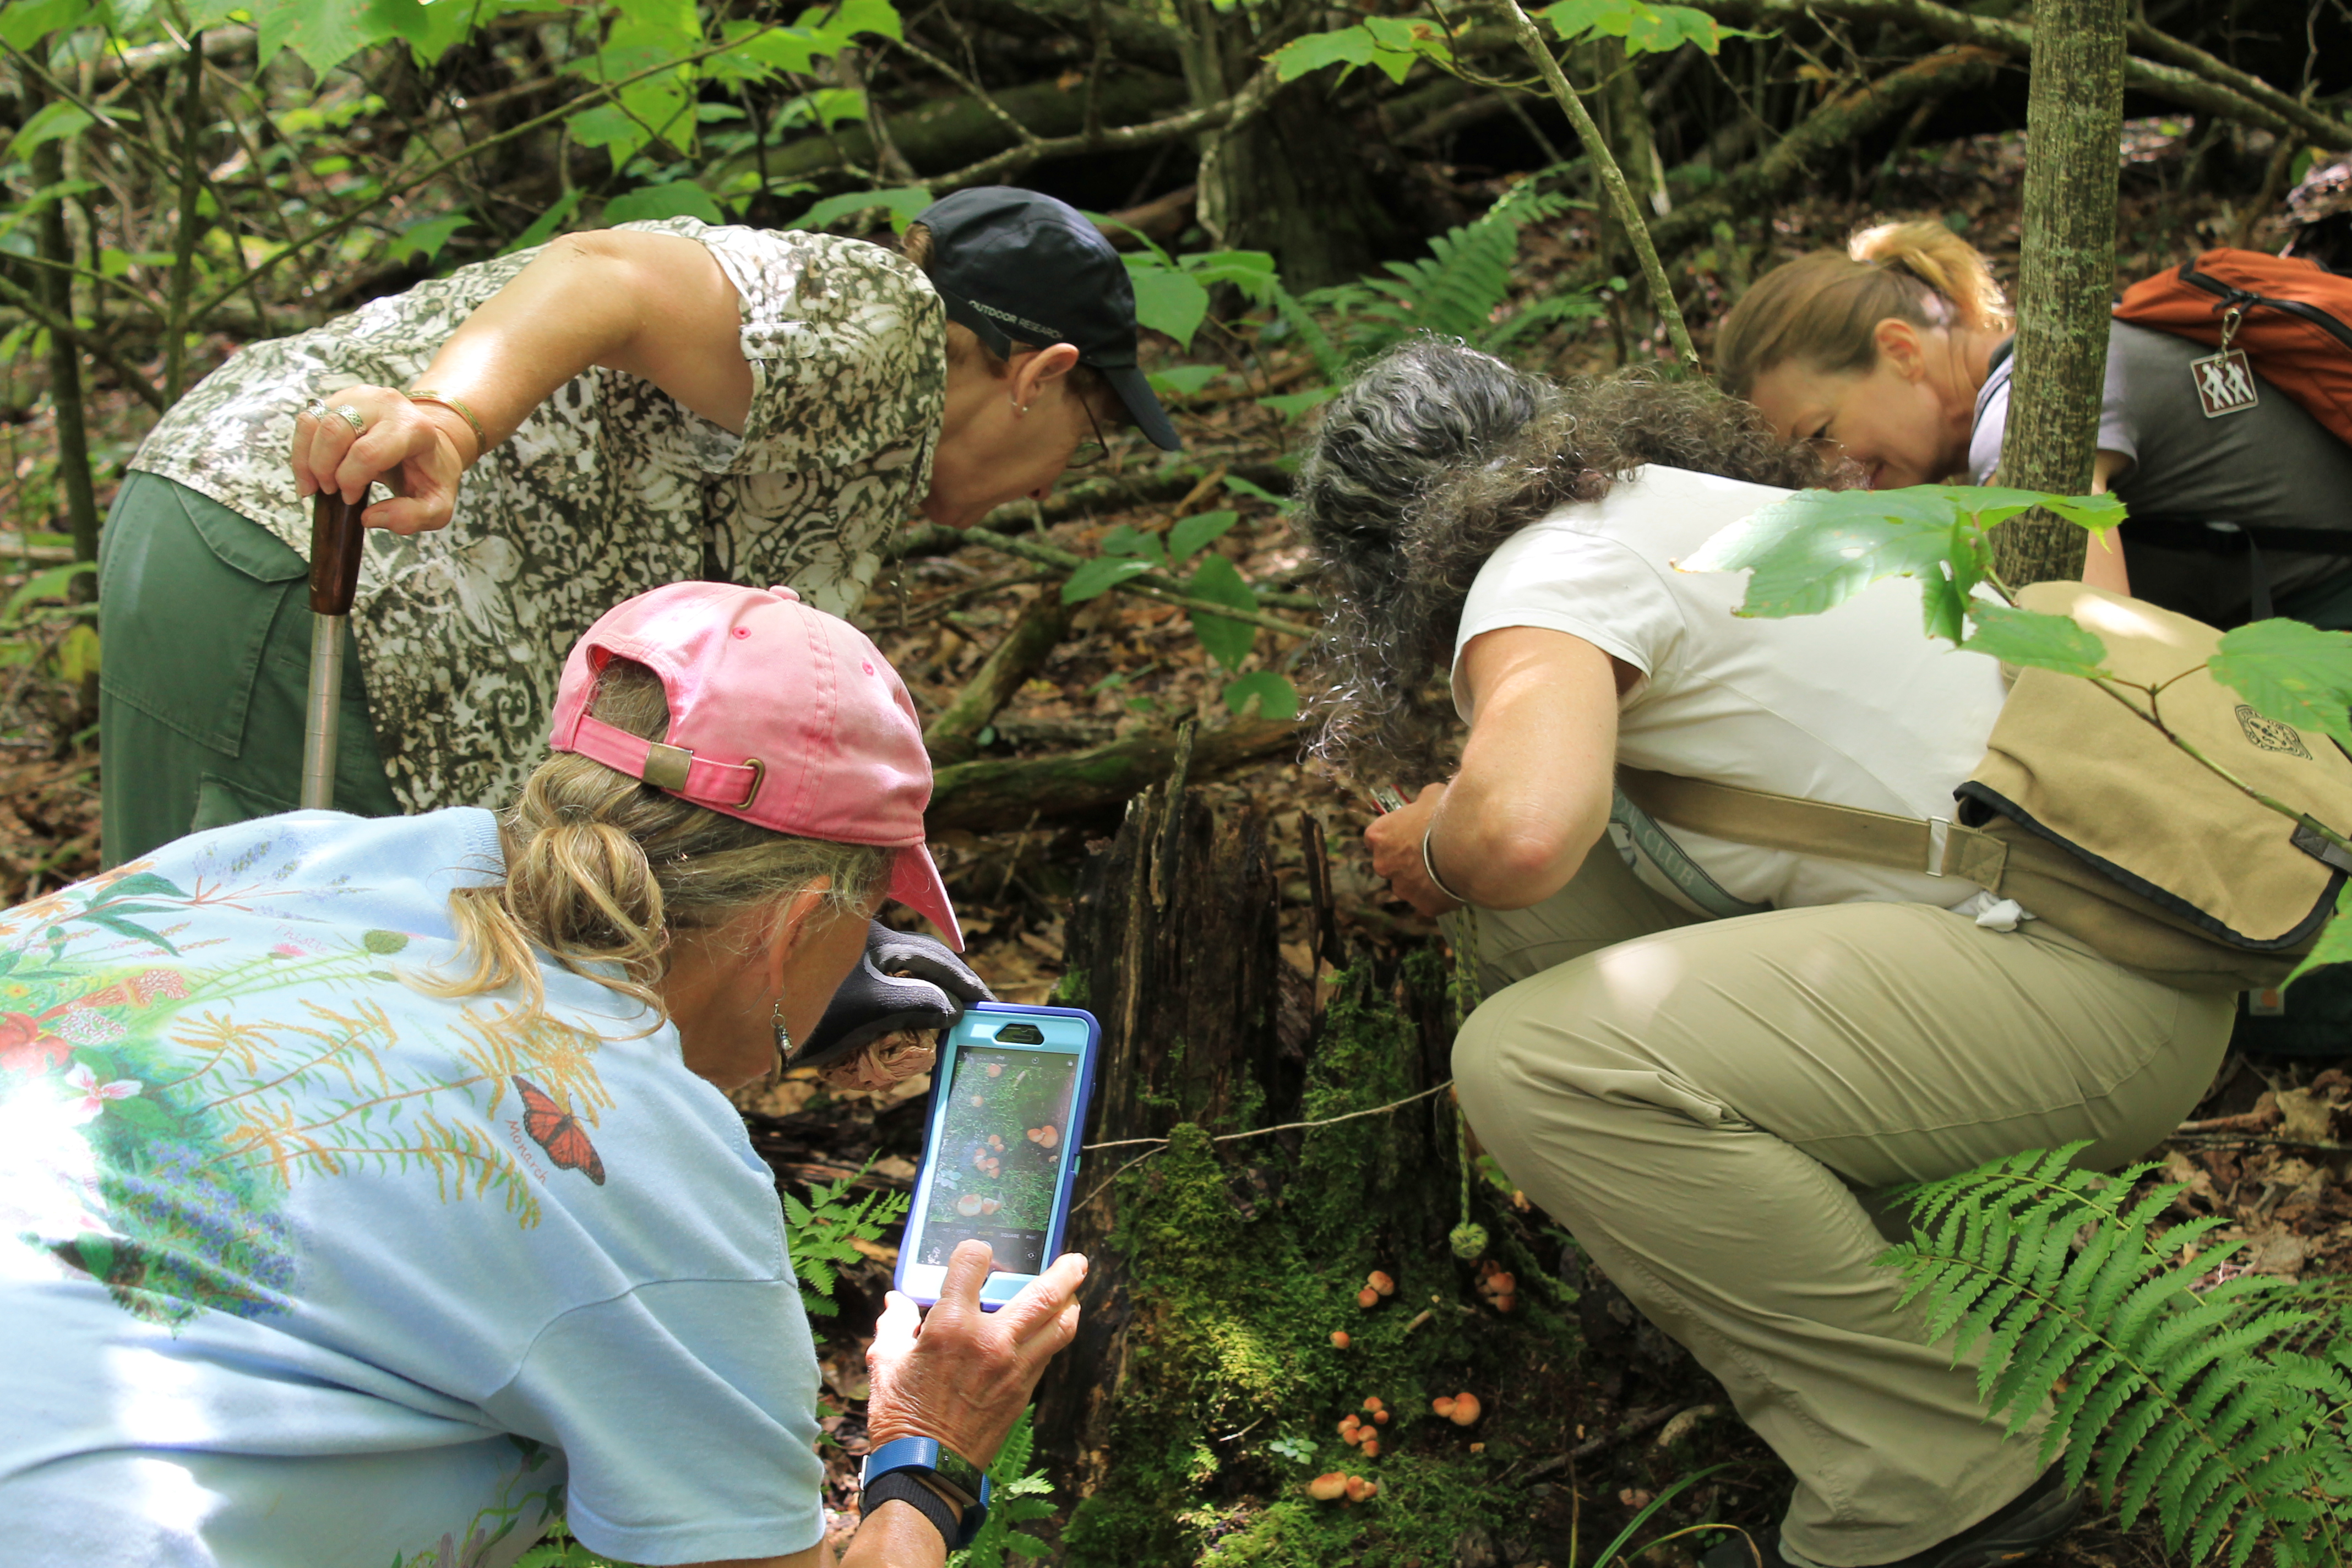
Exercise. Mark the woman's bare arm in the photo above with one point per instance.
(653, 305)
(1537, 779)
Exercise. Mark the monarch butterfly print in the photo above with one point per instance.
(558, 1132)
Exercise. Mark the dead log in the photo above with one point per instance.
(954, 736)
(955, 132)
(988, 795)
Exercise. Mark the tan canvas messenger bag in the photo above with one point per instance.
(2094, 822)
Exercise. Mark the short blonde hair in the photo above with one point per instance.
(602, 870)
(1824, 309)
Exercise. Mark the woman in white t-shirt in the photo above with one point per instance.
(1696, 1052)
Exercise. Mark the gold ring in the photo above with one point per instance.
(352, 417)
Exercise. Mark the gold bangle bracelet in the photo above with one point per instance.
(423, 395)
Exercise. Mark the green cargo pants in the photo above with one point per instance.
(1699, 1104)
(205, 632)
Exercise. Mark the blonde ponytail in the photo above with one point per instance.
(602, 870)
(1824, 309)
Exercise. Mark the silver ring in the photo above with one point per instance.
(314, 409)
(357, 420)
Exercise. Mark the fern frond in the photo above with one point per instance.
(2170, 1396)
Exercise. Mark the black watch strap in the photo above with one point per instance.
(902, 1486)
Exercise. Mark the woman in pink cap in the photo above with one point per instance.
(367, 1193)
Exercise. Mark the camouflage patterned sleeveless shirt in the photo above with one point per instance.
(608, 488)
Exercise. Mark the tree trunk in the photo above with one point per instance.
(2073, 126)
(56, 285)
(1293, 181)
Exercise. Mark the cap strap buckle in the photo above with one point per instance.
(675, 769)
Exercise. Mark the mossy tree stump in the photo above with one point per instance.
(1207, 1381)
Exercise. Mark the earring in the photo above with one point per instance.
(1020, 408)
(783, 1037)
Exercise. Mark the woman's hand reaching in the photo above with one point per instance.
(415, 448)
(1395, 841)
(962, 1375)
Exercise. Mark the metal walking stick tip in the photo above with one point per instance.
(337, 542)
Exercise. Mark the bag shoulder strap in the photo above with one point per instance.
(1934, 847)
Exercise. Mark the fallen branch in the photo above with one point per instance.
(1150, 585)
(1231, 114)
(1833, 126)
(954, 736)
(2192, 78)
(993, 794)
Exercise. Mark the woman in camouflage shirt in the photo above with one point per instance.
(627, 407)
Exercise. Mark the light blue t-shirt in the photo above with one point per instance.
(300, 1266)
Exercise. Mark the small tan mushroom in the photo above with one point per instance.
(1348, 1425)
(1371, 1445)
(1327, 1488)
(1361, 1490)
(996, 1070)
(1442, 1404)
(1372, 1401)
(1466, 1410)
(1500, 1283)
(1368, 1298)
(969, 1205)
(1380, 1283)
(1380, 1418)
(1339, 1338)
(1505, 1304)
(1477, 1447)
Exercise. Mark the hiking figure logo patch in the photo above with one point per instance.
(2225, 383)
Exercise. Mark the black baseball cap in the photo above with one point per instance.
(1013, 264)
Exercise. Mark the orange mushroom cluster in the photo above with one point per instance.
(1363, 1435)
(1496, 1284)
(1044, 1137)
(1378, 1287)
(1331, 1485)
(1461, 1409)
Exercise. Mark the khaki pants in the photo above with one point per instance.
(1696, 1104)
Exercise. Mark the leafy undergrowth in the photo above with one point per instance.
(1588, 1414)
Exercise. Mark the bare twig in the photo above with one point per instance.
(1288, 1126)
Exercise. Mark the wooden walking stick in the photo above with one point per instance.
(337, 542)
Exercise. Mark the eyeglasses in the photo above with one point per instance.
(1086, 454)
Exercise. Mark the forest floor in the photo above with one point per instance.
(1640, 1412)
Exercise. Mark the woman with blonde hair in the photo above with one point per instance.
(1893, 353)
(370, 1192)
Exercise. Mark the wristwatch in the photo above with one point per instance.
(956, 1475)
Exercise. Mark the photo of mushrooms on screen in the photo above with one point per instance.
(1001, 1143)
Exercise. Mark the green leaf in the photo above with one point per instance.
(1348, 47)
(1646, 29)
(1818, 548)
(1136, 544)
(852, 17)
(76, 655)
(23, 23)
(679, 198)
(1183, 380)
(1291, 405)
(51, 122)
(1251, 271)
(325, 32)
(2291, 672)
(901, 202)
(1191, 532)
(1167, 299)
(542, 227)
(52, 583)
(1095, 578)
(1218, 581)
(1275, 697)
(1241, 487)
(427, 238)
(2029, 638)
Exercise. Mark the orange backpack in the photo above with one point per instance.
(2284, 318)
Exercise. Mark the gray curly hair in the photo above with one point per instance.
(1433, 457)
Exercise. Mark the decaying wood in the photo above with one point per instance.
(1836, 124)
(992, 795)
(1175, 941)
(954, 736)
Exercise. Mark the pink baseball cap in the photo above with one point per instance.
(779, 714)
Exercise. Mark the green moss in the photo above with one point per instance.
(1234, 1391)
(1070, 990)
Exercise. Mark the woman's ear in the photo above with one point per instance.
(1033, 371)
(1899, 344)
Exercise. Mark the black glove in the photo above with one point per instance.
(904, 982)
